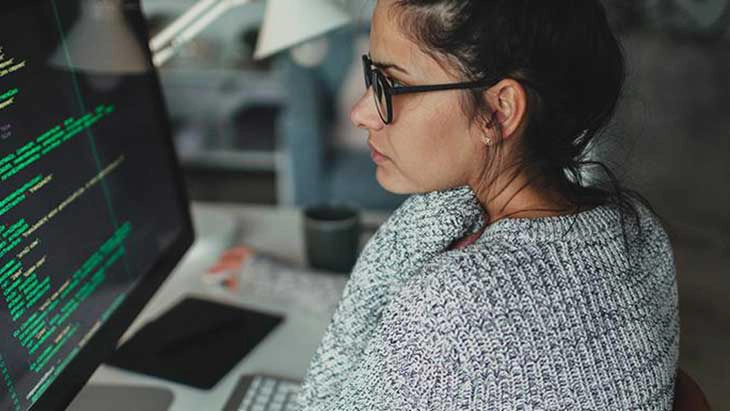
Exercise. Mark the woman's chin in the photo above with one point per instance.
(395, 183)
(392, 183)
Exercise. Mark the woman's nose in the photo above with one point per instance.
(364, 114)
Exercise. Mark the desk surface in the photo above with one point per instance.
(288, 349)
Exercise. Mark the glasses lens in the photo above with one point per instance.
(381, 100)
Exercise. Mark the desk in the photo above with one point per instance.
(288, 349)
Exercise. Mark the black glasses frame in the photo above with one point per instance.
(384, 89)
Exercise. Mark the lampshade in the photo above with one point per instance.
(101, 42)
(290, 22)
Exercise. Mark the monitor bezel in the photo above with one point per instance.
(61, 392)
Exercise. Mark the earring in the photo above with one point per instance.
(485, 139)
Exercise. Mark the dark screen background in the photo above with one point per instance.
(137, 199)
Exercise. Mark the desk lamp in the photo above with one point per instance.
(286, 23)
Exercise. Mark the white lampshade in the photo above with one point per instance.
(290, 22)
(101, 42)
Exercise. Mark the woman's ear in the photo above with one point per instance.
(508, 101)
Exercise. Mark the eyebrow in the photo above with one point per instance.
(385, 66)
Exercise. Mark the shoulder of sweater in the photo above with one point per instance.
(458, 293)
(467, 274)
(476, 260)
(486, 268)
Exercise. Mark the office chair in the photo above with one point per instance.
(688, 395)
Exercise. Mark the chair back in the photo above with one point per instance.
(688, 395)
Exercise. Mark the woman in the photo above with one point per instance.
(504, 282)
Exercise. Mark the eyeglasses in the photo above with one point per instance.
(383, 90)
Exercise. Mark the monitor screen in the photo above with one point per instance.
(92, 214)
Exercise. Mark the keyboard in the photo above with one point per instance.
(263, 393)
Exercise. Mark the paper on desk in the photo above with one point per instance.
(263, 275)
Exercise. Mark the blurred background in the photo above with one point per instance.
(275, 130)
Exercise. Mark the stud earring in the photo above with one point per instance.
(487, 140)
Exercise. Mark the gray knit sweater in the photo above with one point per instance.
(526, 318)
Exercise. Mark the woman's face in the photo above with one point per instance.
(429, 145)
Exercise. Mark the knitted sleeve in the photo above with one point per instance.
(418, 231)
(440, 346)
(451, 341)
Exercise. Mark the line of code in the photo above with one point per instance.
(7, 98)
(9, 65)
(50, 140)
(74, 196)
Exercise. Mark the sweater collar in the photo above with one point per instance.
(600, 221)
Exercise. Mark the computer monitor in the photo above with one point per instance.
(93, 215)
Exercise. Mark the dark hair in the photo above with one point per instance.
(567, 59)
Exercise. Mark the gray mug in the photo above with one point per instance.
(332, 237)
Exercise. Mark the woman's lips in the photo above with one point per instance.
(376, 155)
